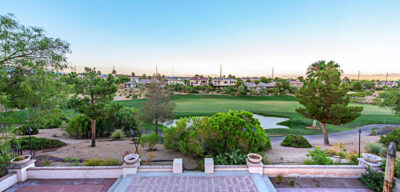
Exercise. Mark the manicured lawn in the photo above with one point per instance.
(280, 106)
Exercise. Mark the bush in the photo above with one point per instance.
(151, 140)
(373, 180)
(318, 157)
(92, 162)
(23, 130)
(124, 119)
(393, 136)
(79, 126)
(297, 141)
(37, 143)
(184, 137)
(118, 134)
(218, 134)
(110, 162)
(374, 148)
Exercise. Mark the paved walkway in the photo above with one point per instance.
(193, 182)
(322, 190)
(365, 130)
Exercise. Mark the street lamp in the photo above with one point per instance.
(30, 139)
(136, 139)
(359, 142)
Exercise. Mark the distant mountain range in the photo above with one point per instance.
(382, 77)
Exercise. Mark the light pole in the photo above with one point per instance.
(359, 142)
(30, 139)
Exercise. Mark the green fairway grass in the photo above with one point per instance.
(278, 106)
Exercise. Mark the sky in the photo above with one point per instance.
(248, 38)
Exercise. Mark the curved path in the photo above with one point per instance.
(365, 130)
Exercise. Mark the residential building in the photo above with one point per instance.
(296, 83)
(174, 81)
(130, 84)
(381, 84)
(145, 82)
(198, 81)
(223, 82)
(262, 85)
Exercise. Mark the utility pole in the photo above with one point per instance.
(156, 70)
(387, 74)
(173, 71)
(358, 76)
(272, 73)
(220, 70)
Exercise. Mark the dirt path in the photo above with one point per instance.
(291, 155)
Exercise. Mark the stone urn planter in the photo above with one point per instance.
(254, 158)
(371, 158)
(131, 158)
(21, 159)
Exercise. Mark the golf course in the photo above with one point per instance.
(275, 106)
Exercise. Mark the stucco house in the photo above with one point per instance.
(198, 81)
(130, 84)
(296, 83)
(223, 82)
(174, 81)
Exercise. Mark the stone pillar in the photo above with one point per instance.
(208, 165)
(177, 166)
(255, 167)
(130, 168)
(20, 170)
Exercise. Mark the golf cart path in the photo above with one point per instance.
(339, 136)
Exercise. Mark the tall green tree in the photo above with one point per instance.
(157, 107)
(93, 96)
(29, 61)
(324, 98)
(390, 99)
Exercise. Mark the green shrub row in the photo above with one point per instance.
(125, 119)
(37, 143)
(392, 136)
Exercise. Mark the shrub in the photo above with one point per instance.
(318, 157)
(151, 140)
(110, 162)
(124, 119)
(353, 157)
(99, 162)
(92, 162)
(218, 134)
(184, 137)
(392, 136)
(37, 143)
(79, 126)
(297, 141)
(374, 148)
(23, 130)
(225, 132)
(373, 180)
(118, 134)
(234, 158)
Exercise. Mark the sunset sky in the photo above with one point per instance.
(194, 37)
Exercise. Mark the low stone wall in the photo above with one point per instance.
(339, 171)
(74, 172)
(231, 168)
(155, 168)
(7, 181)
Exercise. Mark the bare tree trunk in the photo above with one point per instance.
(93, 133)
(326, 140)
(156, 122)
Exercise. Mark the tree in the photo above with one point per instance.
(93, 96)
(157, 107)
(325, 98)
(256, 82)
(28, 62)
(391, 100)
(133, 74)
